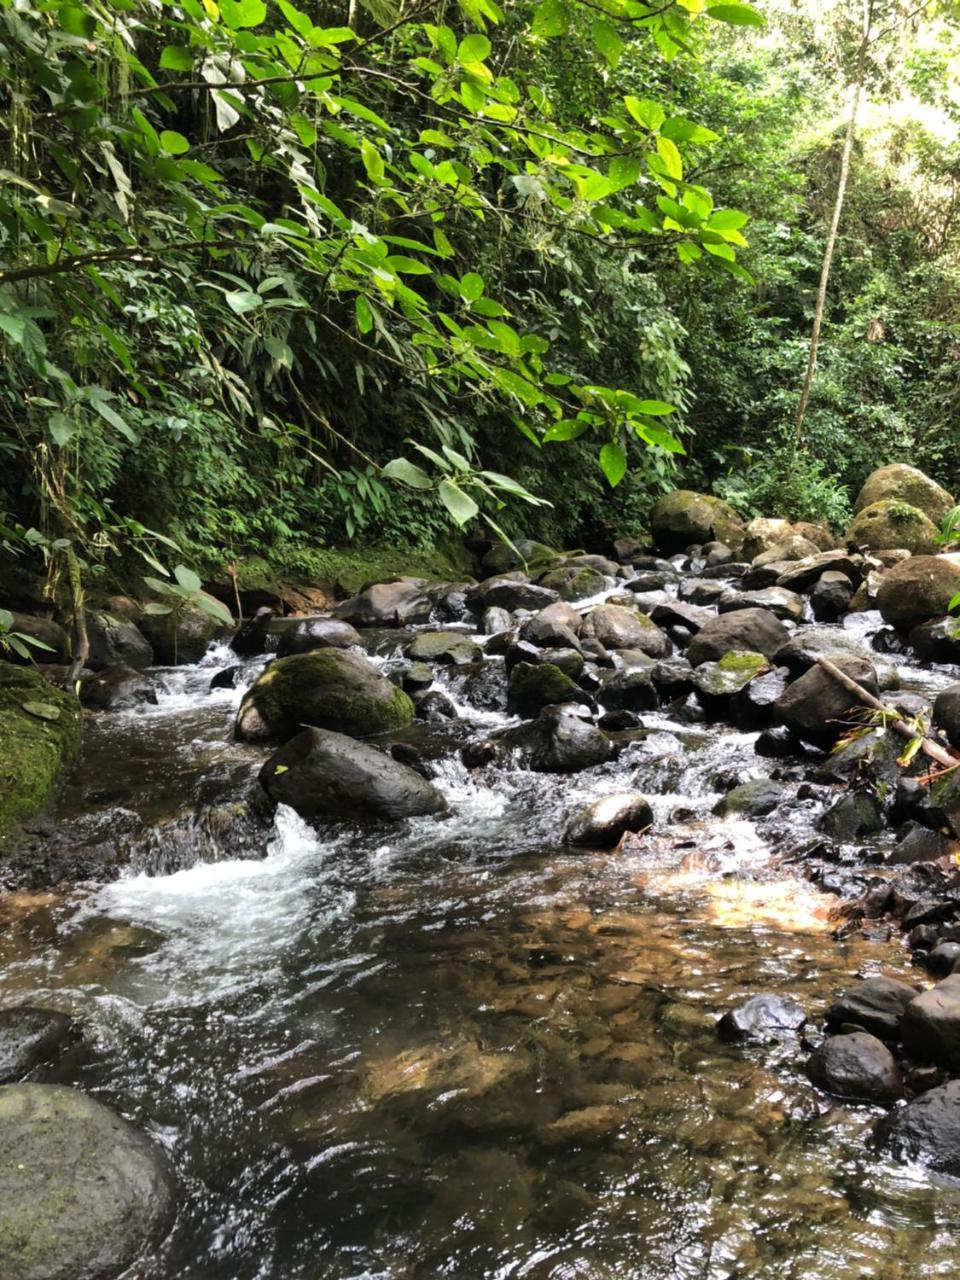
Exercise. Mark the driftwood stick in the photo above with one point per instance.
(927, 746)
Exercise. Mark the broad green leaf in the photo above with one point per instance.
(613, 462)
(550, 19)
(61, 428)
(175, 144)
(740, 15)
(606, 41)
(460, 505)
(668, 153)
(471, 287)
(655, 408)
(187, 578)
(650, 114)
(407, 473)
(243, 13)
(475, 48)
(241, 301)
(14, 327)
(364, 314)
(727, 220)
(41, 710)
(176, 57)
(214, 609)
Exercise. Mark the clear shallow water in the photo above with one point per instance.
(450, 1047)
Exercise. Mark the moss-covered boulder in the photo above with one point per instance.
(179, 637)
(717, 682)
(906, 484)
(447, 647)
(328, 689)
(891, 522)
(918, 589)
(524, 554)
(535, 686)
(574, 581)
(682, 518)
(39, 734)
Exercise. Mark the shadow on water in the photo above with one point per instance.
(453, 1048)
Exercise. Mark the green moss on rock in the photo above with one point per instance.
(327, 689)
(35, 744)
(682, 518)
(891, 523)
(534, 686)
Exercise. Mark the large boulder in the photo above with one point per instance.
(818, 708)
(926, 1131)
(387, 604)
(682, 518)
(918, 589)
(328, 689)
(761, 533)
(746, 630)
(876, 1004)
(82, 1193)
(892, 523)
(602, 824)
(558, 741)
(533, 686)
(39, 735)
(856, 1066)
(307, 634)
(449, 648)
(509, 593)
(930, 1026)
(906, 484)
(116, 642)
(31, 1037)
(47, 632)
(117, 689)
(179, 637)
(330, 776)
(574, 581)
(804, 574)
(617, 627)
(946, 713)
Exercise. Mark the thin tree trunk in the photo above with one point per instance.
(855, 99)
(81, 640)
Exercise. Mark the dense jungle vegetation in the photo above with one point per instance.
(278, 277)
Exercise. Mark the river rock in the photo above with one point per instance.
(817, 708)
(632, 690)
(893, 523)
(762, 1017)
(327, 775)
(830, 598)
(918, 589)
(117, 689)
(558, 624)
(946, 713)
(509, 592)
(387, 604)
(783, 604)
(180, 637)
(449, 648)
(793, 547)
(558, 741)
(309, 634)
(746, 631)
(116, 642)
(617, 627)
(808, 643)
(82, 1193)
(682, 518)
(602, 824)
(803, 575)
(251, 637)
(39, 733)
(717, 682)
(523, 554)
(574, 581)
(753, 799)
(937, 641)
(930, 1026)
(31, 1037)
(926, 1131)
(906, 484)
(495, 621)
(752, 707)
(858, 813)
(531, 687)
(763, 532)
(876, 1004)
(856, 1066)
(329, 689)
(45, 630)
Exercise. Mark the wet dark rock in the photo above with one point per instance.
(941, 808)
(602, 824)
(716, 683)
(923, 937)
(250, 638)
(521, 651)
(589, 678)
(179, 637)
(626, 550)
(524, 554)
(942, 958)
(387, 604)
(804, 574)
(752, 707)
(786, 605)
(616, 627)
(926, 1131)
(716, 553)
(747, 630)
(434, 706)
(871, 756)
(82, 1193)
(928, 907)
(228, 678)
(557, 625)
(308, 634)
(889, 640)
(700, 591)
(327, 775)
(32, 1037)
(672, 677)
(116, 642)
(416, 677)
(651, 581)
(946, 713)
(509, 593)
(118, 689)
(444, 647)
(762, 575)
(329, 689)
(818, 708)
(776, 743)
(630, 691)
(918, 590)
(919, 844)
(856, 1066)
(724, 572)
(674, 612)
(495, 620)
(936, 641)
(47, 632)
(558, 741)
(762, 1018)
(930, 1026)
(452, 605)
(752, 799)
(569, 661)
(483, 686)
(830, 598)
(618, 721)
(808, 643)
(858, 813)
(531, 688)
(876, 1004)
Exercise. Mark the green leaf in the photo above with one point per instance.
(364, 314)
(727, 220)
(155, 609)
(407, 473)
(42, 710)
(173, 143)
(460, 505)
(655, 408)
(187, 579)
(213, 608)
(740, 15)
(176, 58)
(372, 160)
(606, 41)
(473, 48)
(650, 114)
(241, 301)
(613, 462)
(668, 153)
(550, 19)
(14, 327)
(471, 287)
(61, 428)
(239, 14)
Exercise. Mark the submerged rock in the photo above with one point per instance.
(31, 1037)
(603, 823)
(856, 1066)
(926, 1130)
(82, 1193)
(329, 689)
(327, 775)
(755, 799)
(762, 1017)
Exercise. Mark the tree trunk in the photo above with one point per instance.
(855, 98)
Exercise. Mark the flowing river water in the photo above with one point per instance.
(453, 1048)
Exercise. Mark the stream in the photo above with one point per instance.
(452, 1047)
